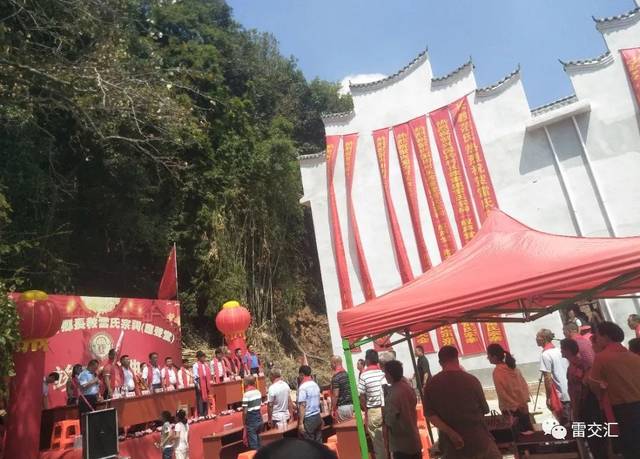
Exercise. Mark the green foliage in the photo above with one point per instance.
(9, 336)
(126, 125)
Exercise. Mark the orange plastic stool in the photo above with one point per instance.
(247, 454)
(64, 434)
(332, 439)
(333, 447)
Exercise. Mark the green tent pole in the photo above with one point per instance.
(355, 397)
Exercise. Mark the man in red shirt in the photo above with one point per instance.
(110, 375)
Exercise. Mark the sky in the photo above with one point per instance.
(338, 40)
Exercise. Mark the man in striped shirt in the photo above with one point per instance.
(371, 396)
(251, 416)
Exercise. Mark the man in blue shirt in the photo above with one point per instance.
(251, 361)
(309, 418)
(89, 388)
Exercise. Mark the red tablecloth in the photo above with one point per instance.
(143, 448)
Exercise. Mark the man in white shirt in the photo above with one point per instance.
(370, 385)
(279, 400)
(218, 367)
(152, 374)
(169, 374)
(51, 378)
(554, 370)
(128, 381)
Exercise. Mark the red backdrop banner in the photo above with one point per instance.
(458, 190)
(493, 332)
(336, 233)
(350, 143)
(470, 337)
(93, 325)
(439, 217)
(424, 340)
(381, 142)
(404, 149)
(475, 164)
(631, 58)
(446, 337)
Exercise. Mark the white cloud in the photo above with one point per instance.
(361, 78)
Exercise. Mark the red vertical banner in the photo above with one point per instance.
(470, 337)
(336, 233)
(404, 149)
(458, 190)
(349, 146)
(631, 58)
(381, 142)
(446, 337)
(424, 340)
(439, 217)
(493, 332)
(475, 164)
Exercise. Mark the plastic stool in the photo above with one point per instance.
(247, 454)
(332, 439)
(64, 434)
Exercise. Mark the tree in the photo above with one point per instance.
(126, 125)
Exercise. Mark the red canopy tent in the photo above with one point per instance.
(507, 269)
(507, 273)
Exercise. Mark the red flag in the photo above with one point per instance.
(631, 58)
(168, 289)
(470, 336)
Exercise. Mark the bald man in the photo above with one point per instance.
(341, 401)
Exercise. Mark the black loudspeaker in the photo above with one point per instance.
(100, 439)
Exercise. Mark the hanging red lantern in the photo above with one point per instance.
(39, 319)
(233, 321)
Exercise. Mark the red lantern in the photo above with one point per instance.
(233, 320)
(39, 319)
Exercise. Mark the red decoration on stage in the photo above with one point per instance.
(493, 332)
(446, 337)
(439, 217)
(381, 142)
(233, 320)
(350, 143)
(458, 190)
(405, 158)
(336, 233)
(473, 156)
(168, 289)
(631, 58)
(425, 341)
(470, 337)
(39, 320)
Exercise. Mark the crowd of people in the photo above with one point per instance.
(590, 378)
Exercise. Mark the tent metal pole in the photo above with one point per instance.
(415, 372)
(355, 397)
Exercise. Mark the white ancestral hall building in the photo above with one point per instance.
(570, 167)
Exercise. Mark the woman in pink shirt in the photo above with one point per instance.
(511, 388)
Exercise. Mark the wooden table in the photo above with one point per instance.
(225, 444)
(147, 408)
(230, 392)
(271, 435)
(348, 442)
